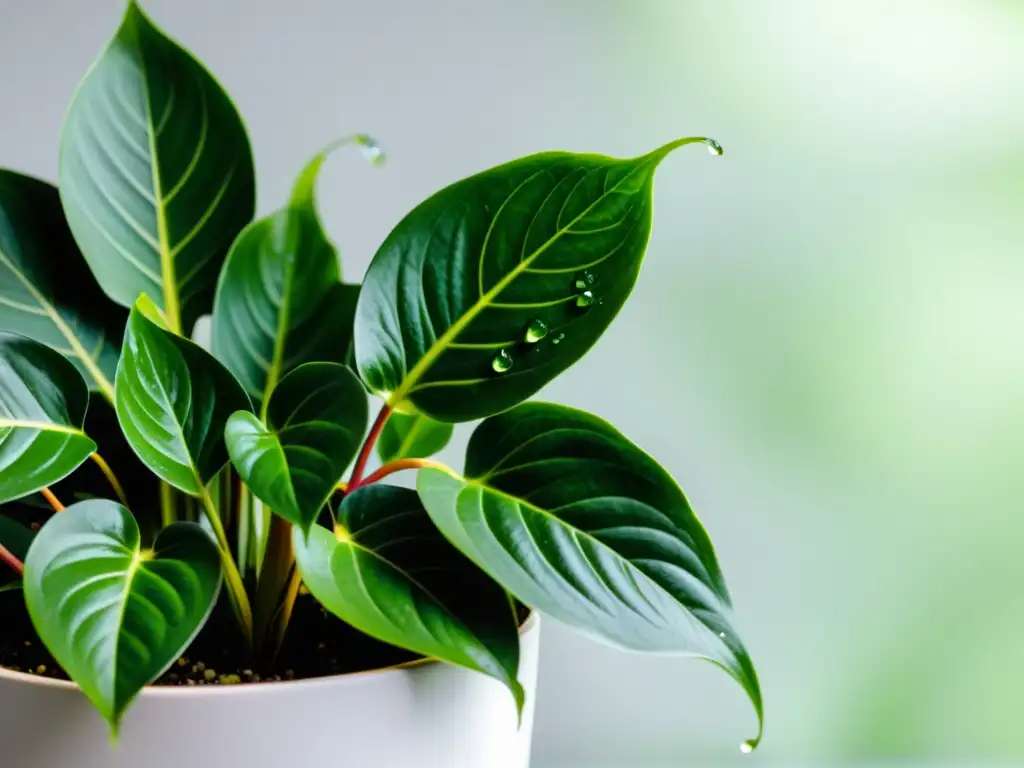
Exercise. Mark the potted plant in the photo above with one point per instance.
(181, 538)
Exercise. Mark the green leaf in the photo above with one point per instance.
(388, 572)
(495, 285)
(412, 436)
(173, 399)
(579, 523)
(46, 290)
(113, 615)
(43, 399)
(279, 301)
(316, 417)
(156, 173)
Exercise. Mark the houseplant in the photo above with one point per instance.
(207, 492)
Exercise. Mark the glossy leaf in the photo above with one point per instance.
(315, 422)
(114, 615)
(46, 290)
(156, 174)
(173, 399)
(43, 400)
(577, 522)
(412, 436)
(495, 285)
(388, 572)
(279, 301)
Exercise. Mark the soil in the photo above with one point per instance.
(317, 645)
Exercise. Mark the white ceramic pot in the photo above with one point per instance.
(425, 715)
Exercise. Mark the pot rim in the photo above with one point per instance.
(173, 691)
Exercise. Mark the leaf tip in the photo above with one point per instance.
(662, 152)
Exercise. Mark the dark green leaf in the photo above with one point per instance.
(156, 174)
(576, 521)
(46, 290)
(495, 285)
(276, 296)
(43, 399)
(173, 399)
(316, 417)
(113, 615)
(388, 572)
(16, 538)
(412, 436)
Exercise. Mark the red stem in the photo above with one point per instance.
(396, 466)
(364, 452)
(7, 557)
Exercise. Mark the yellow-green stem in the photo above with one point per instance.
(111, 477)
(284, 617)
(277, 566)
(167, 515)
(232, 578)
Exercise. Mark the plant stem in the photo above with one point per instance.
(284, 617)
(6, 556)
(167, 515)
(52, 500)
(277, 566)
(244, 534)
(397, 466)
(111, 477)
(364, 452)
(236, 588)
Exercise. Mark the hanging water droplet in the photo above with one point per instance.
(748, 746)
(501, 362)
(585, 299)
(558, 338)
(370, 148)
(536, 330)
(713, 147)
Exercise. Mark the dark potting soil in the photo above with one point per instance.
(316, 645)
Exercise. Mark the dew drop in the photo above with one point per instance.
(589, 277)
(748, 746)
(585, 299)
(536, 330)
(501, 362)
(581, 284)
(558, 338)
(722, 635)
(713, 147)
(370, 148)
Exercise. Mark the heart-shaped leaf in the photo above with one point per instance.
(46, 290)
(173, 399)
(114, 615)
(576, 521)
(412, 436)
(495, 285)
(156, 174)
(43, 399)
(316, 417)
(279, 301)
(387, 571)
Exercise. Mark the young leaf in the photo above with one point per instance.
(279, 302)
(576, 521)
(156, 174)
(316, 417)
(412, 436)
(495, 285)
(113, 615)
(173, 399)
(43, 400)
(46, 290)
(388, 572)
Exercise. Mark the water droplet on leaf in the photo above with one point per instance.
(722, 635)
(501, 362)
(585, 299)
(581, 284)
(748, 746)
(370, 148)
(535, 331)
(558, 338)
(713, 147)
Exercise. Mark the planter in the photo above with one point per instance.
(421, 715)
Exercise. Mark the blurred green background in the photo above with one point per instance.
(824, 346)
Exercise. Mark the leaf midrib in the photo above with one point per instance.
(106, 388)
(425, 362)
